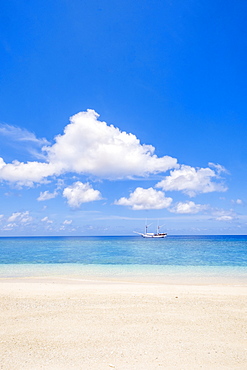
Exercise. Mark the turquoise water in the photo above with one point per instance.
(225, 255)
(173, 250)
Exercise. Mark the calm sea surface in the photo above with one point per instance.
(174, 254)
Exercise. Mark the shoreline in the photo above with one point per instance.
(155, 274)
(94, 280)
(61, 322)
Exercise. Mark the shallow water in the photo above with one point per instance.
(179, 256)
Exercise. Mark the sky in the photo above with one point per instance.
(117, 114)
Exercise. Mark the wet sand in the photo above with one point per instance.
(63, 323)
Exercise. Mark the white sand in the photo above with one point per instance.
(60, 323)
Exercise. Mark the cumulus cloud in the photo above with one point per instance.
(14, 216)
(79, 193)
(188, 207)
(224, 215)
(237, 201)
(225, 218)
(25, 174)
(9, 226)
(46, 195)
(192, 180)
(46, 220)
(20, 217)
(67, 222)
(145, 199)
(92, 147)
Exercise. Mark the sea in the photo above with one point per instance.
(126, 257)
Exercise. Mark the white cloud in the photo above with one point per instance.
(92, 147)
(46, 196)
(145, 199)
(47, 220)
(89, 146)
(9, 226)
(218, 167)
(18, 134)
(224, 215)
(79, 193)
(188, 207)
(237, 201)
(14, 216)
(21, 217)
(67, 222)
(25, 174)
(192, 180)
(225, 218)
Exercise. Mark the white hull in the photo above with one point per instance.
(154, 236)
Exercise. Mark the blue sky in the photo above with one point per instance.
(113, 113)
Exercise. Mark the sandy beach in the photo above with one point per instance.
(63, 323)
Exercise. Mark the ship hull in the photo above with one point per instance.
(160, 236)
